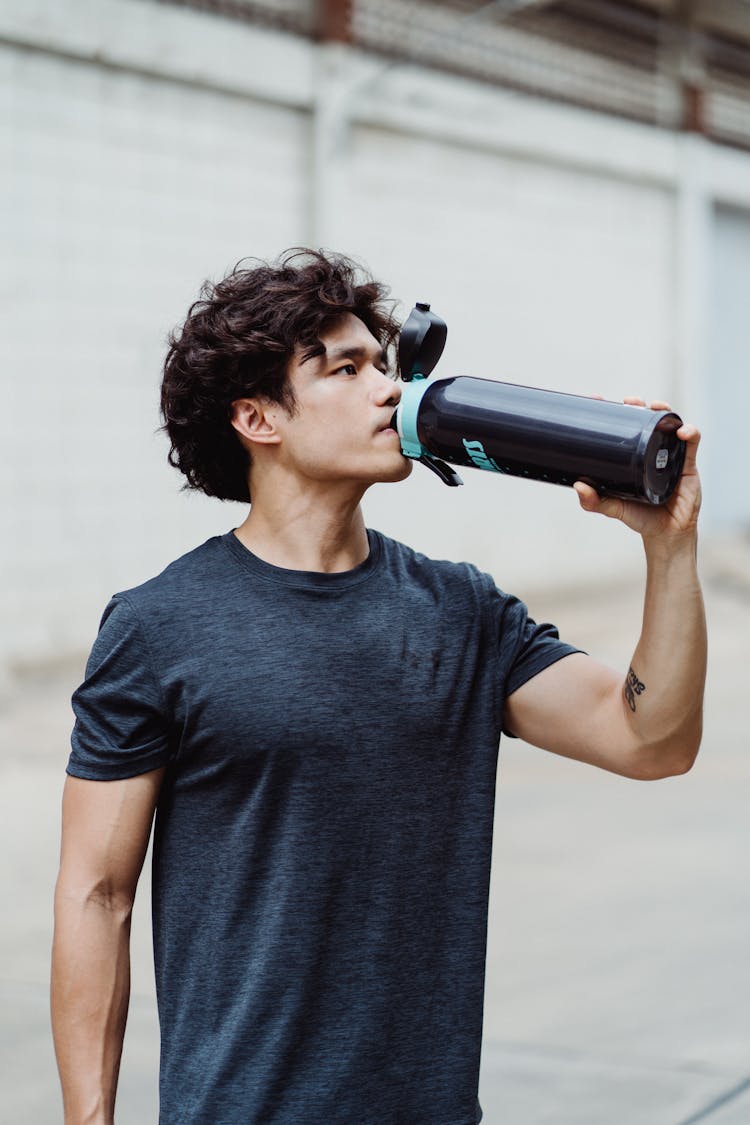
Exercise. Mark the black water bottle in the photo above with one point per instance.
(621, 450)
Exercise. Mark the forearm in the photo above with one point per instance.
(90, 993)
(663, 689)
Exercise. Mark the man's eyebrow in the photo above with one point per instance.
(356, 352)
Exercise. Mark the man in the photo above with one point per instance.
(314, 711)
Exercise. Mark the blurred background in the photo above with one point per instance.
(568, 183)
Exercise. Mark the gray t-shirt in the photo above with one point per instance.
(324, 829)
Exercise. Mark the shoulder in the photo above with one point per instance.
(446, 575)
(184, 579)
(178, 597)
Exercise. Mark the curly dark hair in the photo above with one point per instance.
(237, 341)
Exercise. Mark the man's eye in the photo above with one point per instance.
(346, 369)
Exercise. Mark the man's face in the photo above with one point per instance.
(340, 430)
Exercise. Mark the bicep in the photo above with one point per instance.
(575, 708)
(105, 832)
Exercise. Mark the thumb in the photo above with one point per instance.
(591, 501)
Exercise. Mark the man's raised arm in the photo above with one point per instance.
(105, 832)
(647, 722)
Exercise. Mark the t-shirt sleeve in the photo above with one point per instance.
(525, 647)
(121, 727)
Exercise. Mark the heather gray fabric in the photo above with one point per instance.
(324, 830)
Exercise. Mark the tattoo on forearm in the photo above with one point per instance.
(633, 687)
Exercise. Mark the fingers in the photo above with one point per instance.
(634, 400)
(691, 436)
(690, 433)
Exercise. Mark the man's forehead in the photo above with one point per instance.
(348, 336)
(347, 330)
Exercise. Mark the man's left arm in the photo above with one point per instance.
(646, 724)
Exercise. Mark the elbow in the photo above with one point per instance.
(675, 767)
(116, 901)
(100, 894)
(669, 758)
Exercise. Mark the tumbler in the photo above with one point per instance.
(621, 450)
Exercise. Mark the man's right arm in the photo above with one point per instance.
(105, 831)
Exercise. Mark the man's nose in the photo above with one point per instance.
(387, 390)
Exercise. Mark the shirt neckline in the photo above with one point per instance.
(304, 579)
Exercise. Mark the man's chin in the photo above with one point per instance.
(390, 474)
(400, 472)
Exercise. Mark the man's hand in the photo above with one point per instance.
(677, 518)
(648, 724)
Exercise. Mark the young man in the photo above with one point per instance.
(314, 711)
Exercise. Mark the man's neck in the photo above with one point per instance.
(324, 533)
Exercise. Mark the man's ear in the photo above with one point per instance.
(254, 420)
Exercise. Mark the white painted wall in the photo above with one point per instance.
(126, 192)
(728, 403)
(151, 147)
(547, 276)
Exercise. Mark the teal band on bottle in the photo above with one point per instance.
(408, 408)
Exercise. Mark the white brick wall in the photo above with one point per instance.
(126, 193)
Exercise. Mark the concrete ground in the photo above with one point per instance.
(618, 971)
